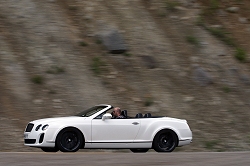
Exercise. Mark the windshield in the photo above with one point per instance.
(90, 111)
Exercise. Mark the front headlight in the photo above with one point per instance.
(38, 127)
(45, 127)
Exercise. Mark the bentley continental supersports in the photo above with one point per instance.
(95, 128)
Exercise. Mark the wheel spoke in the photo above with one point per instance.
(68, 146)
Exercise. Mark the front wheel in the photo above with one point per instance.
(165, 141)
(139, 150)
(45, 149)
(69, 140)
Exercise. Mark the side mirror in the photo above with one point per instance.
(106, 116)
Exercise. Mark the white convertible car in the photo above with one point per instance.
(95, 128)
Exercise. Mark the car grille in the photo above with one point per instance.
(30, 141)
(29, 127)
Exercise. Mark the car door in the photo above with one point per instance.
(115, 130)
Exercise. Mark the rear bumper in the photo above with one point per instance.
(184, 142)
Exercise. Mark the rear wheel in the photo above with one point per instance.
(139, 150)
(165, 141)
(45, 149)
(69, 140)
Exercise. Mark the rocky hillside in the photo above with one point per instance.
(181, 58)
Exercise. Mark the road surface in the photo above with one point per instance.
(124, 159)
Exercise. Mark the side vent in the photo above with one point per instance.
(41, 138)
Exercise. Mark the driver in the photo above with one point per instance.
(117, 113)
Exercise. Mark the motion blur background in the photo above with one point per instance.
(187, 59)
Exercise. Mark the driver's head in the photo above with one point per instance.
(116, 112)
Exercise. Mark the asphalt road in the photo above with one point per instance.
(122, 159)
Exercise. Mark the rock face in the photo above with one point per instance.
(243, 20)
(233, 9)
(202, 77)
(113, 41)
(149, 62)
(245, 79)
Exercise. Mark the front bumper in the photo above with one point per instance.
(40, 138)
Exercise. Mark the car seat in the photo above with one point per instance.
(139, 115)
(124, 113)
(147, 115)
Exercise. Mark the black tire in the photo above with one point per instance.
(165, 141)
(139, 150)
(45, 149)
(69, 140)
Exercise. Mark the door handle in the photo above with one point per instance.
(135, 123)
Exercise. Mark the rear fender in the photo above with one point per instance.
(165, 128)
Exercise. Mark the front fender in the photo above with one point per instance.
(57, 130)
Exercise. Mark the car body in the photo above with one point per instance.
(95, 128)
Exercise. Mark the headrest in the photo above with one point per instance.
(139, 115)
(124, 113)
(147, 115)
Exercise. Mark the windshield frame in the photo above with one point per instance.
(98, 109)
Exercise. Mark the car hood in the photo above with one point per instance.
(58, 119)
